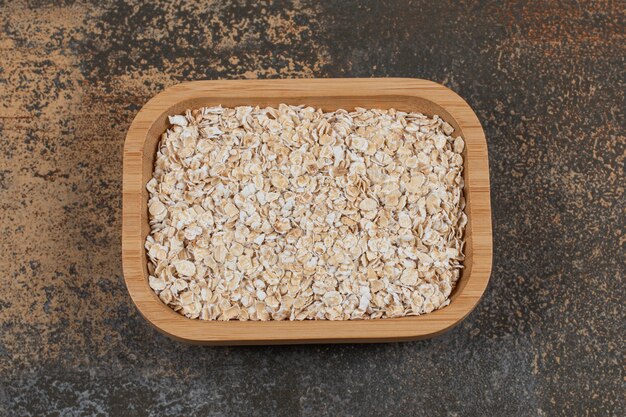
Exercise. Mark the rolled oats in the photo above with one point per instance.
(292, 213)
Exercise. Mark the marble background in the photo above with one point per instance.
(547, 80)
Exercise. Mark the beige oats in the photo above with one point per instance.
(291, 213)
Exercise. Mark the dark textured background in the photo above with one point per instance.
(547, 81)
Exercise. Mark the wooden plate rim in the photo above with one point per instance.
(235, 332)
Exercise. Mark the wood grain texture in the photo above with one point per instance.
(329, 94)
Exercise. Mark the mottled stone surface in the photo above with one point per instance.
(546, 80)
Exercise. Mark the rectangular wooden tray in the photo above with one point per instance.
(330, 94)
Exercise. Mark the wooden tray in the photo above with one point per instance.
(329, 94)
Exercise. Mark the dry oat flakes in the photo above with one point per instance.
(291, 213)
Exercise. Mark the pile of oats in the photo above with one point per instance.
(294, 213)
